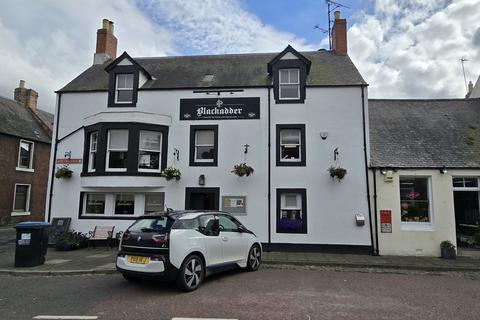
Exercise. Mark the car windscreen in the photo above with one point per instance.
(158, 225)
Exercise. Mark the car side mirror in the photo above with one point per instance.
(242, 229)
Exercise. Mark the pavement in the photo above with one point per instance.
(102, 260)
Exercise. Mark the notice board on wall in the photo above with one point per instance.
(386, 221)
(234, 204)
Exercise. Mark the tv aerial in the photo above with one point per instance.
(331, 7)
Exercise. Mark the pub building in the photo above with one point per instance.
(127, 126)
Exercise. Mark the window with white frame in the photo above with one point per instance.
(25, 155)
(117, 150)
(415, 205)
(92, 156)
(124, 203)
(291, 210)
(21, 201)
(150, 145)
(465, 182)
(290, 145)
(94, 203)
(154, 202)
(289, 84)
(124, 88)
(204, 145)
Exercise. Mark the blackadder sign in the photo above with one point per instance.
(227, 108)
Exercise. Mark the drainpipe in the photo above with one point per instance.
(375, 208)
(52, 175)
(366, 169)
(269, 175)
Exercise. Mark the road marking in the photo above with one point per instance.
(66, 317)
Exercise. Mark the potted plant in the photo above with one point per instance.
(242, 169)
(337, 172)
(447, 250)
(70, 240)
(63, 172)
(172, 173)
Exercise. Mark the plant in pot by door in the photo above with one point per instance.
(63, 172)
(447, 250)
(172, 173)
(337, 172)
(242, 169)
(70, 240)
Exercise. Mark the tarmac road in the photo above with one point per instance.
(266, 294)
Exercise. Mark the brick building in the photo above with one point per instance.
(25, 139)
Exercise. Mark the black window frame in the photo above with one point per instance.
(289, 64)
(133, 148)
(112, 79)
(303, 146)
(193, 129)
(303, 194)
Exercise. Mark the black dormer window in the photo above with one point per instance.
(124, 88)
(289, 84)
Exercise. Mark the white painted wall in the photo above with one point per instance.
(406, 240)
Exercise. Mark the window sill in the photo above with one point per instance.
(24, 169)
(417, 226)
(20, 213)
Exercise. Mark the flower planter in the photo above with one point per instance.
(171, 173)
(447, 250)
(242, 170)
(63, 172)
(337, 172)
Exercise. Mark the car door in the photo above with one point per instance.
(213, 243)
(234, 242)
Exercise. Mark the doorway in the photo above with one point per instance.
(202, 198)
(467, 211)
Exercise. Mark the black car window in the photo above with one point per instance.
(228, 224)
(159, 225)
(186, 224)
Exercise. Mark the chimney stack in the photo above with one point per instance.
(27, 97)
(339, 35)
(106, 43)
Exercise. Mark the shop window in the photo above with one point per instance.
(415, 199)
(154, 202)
(291, 211)
(289, 84)
(21, 202)
(203, 145)
(117, 150)
(150, 146)
(291, 145)
(92, 155)
(125, 204)
(25, 155)
(124, 88)
(94, 203)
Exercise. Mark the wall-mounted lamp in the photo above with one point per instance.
(383, 171)
(201, 180)
(323, 135)
(443, 170)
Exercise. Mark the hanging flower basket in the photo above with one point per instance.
(171, 173)
(242, 169)
(63, 172)
(337, 172)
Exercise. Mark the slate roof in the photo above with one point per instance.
(17, 120)
(47, 118)
(425, 133)
(228, 70)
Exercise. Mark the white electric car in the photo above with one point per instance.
(186, 246)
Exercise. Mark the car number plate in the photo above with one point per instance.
(139, 260)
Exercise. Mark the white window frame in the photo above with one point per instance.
(280, 83)
(283, 206)
(27, 205)
(123, 89)
(30, 166)
(149, 150)
(466, 188)
(84, 209)
(195, 159)
(92, 151)
(414, 225)
(291, 144)
(107, 167)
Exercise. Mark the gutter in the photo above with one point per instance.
(52, 175)
(374, 252)
(375, 209)
(269, 174)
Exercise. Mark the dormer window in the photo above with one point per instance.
(124, 88)
(289, 84)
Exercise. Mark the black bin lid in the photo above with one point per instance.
(32, 225)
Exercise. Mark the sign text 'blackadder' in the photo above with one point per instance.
(220, 108)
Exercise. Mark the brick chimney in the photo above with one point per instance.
(106, 43)
(470, 89)
(339, 35)
(27, 97)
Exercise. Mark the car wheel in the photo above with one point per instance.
(131, 278)
(191, 273)
(254, 258)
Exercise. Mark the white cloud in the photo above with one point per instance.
(48, 43)
(412, 48)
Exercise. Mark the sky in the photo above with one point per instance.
(403, 49)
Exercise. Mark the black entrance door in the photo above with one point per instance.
(467, 215)
(202, 198)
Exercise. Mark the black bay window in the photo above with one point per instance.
(125, 149)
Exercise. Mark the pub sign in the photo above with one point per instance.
(220, 109)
